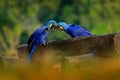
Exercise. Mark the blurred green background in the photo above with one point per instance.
(19, 18)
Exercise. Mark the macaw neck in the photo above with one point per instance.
(65, 26)
(47, 26)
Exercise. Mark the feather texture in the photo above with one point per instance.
(38, 37)
(35, 35)
(77, 31)
(74, 30)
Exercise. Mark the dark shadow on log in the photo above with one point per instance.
(100, 46)
(1, 64)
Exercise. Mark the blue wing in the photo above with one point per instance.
(77, 31)
(40, 38)
(34, 35)
(43, 37)
(31, 52)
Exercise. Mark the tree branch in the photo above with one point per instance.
(100, 46)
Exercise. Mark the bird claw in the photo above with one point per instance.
(46, 44)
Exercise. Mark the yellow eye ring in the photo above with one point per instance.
(61, 27)
(50, 25)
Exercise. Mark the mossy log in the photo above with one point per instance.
(99, 45)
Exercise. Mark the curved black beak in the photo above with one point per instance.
(59, 28)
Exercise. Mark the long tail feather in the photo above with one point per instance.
(31, 53)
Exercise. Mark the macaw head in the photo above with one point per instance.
(51, 24)
(61, 26)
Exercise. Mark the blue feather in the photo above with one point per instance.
(34, 35)
(74, 30)
(38, 39)
(39, 36)
(31, 52)
(77, 31)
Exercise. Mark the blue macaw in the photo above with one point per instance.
(39, 36)
(73, 30)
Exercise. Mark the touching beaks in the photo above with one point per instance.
(59, 28)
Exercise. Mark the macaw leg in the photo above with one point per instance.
(43, 42)
(31, 53)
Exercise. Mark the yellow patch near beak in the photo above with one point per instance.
(50, 25)
(61, 28)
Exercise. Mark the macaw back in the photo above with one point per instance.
(77, 31)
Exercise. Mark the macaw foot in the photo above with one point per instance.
(46, 44)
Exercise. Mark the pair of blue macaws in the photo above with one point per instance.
(40, 35)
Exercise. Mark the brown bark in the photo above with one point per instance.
(100, 46)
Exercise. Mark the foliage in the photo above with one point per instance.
(23, 37)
